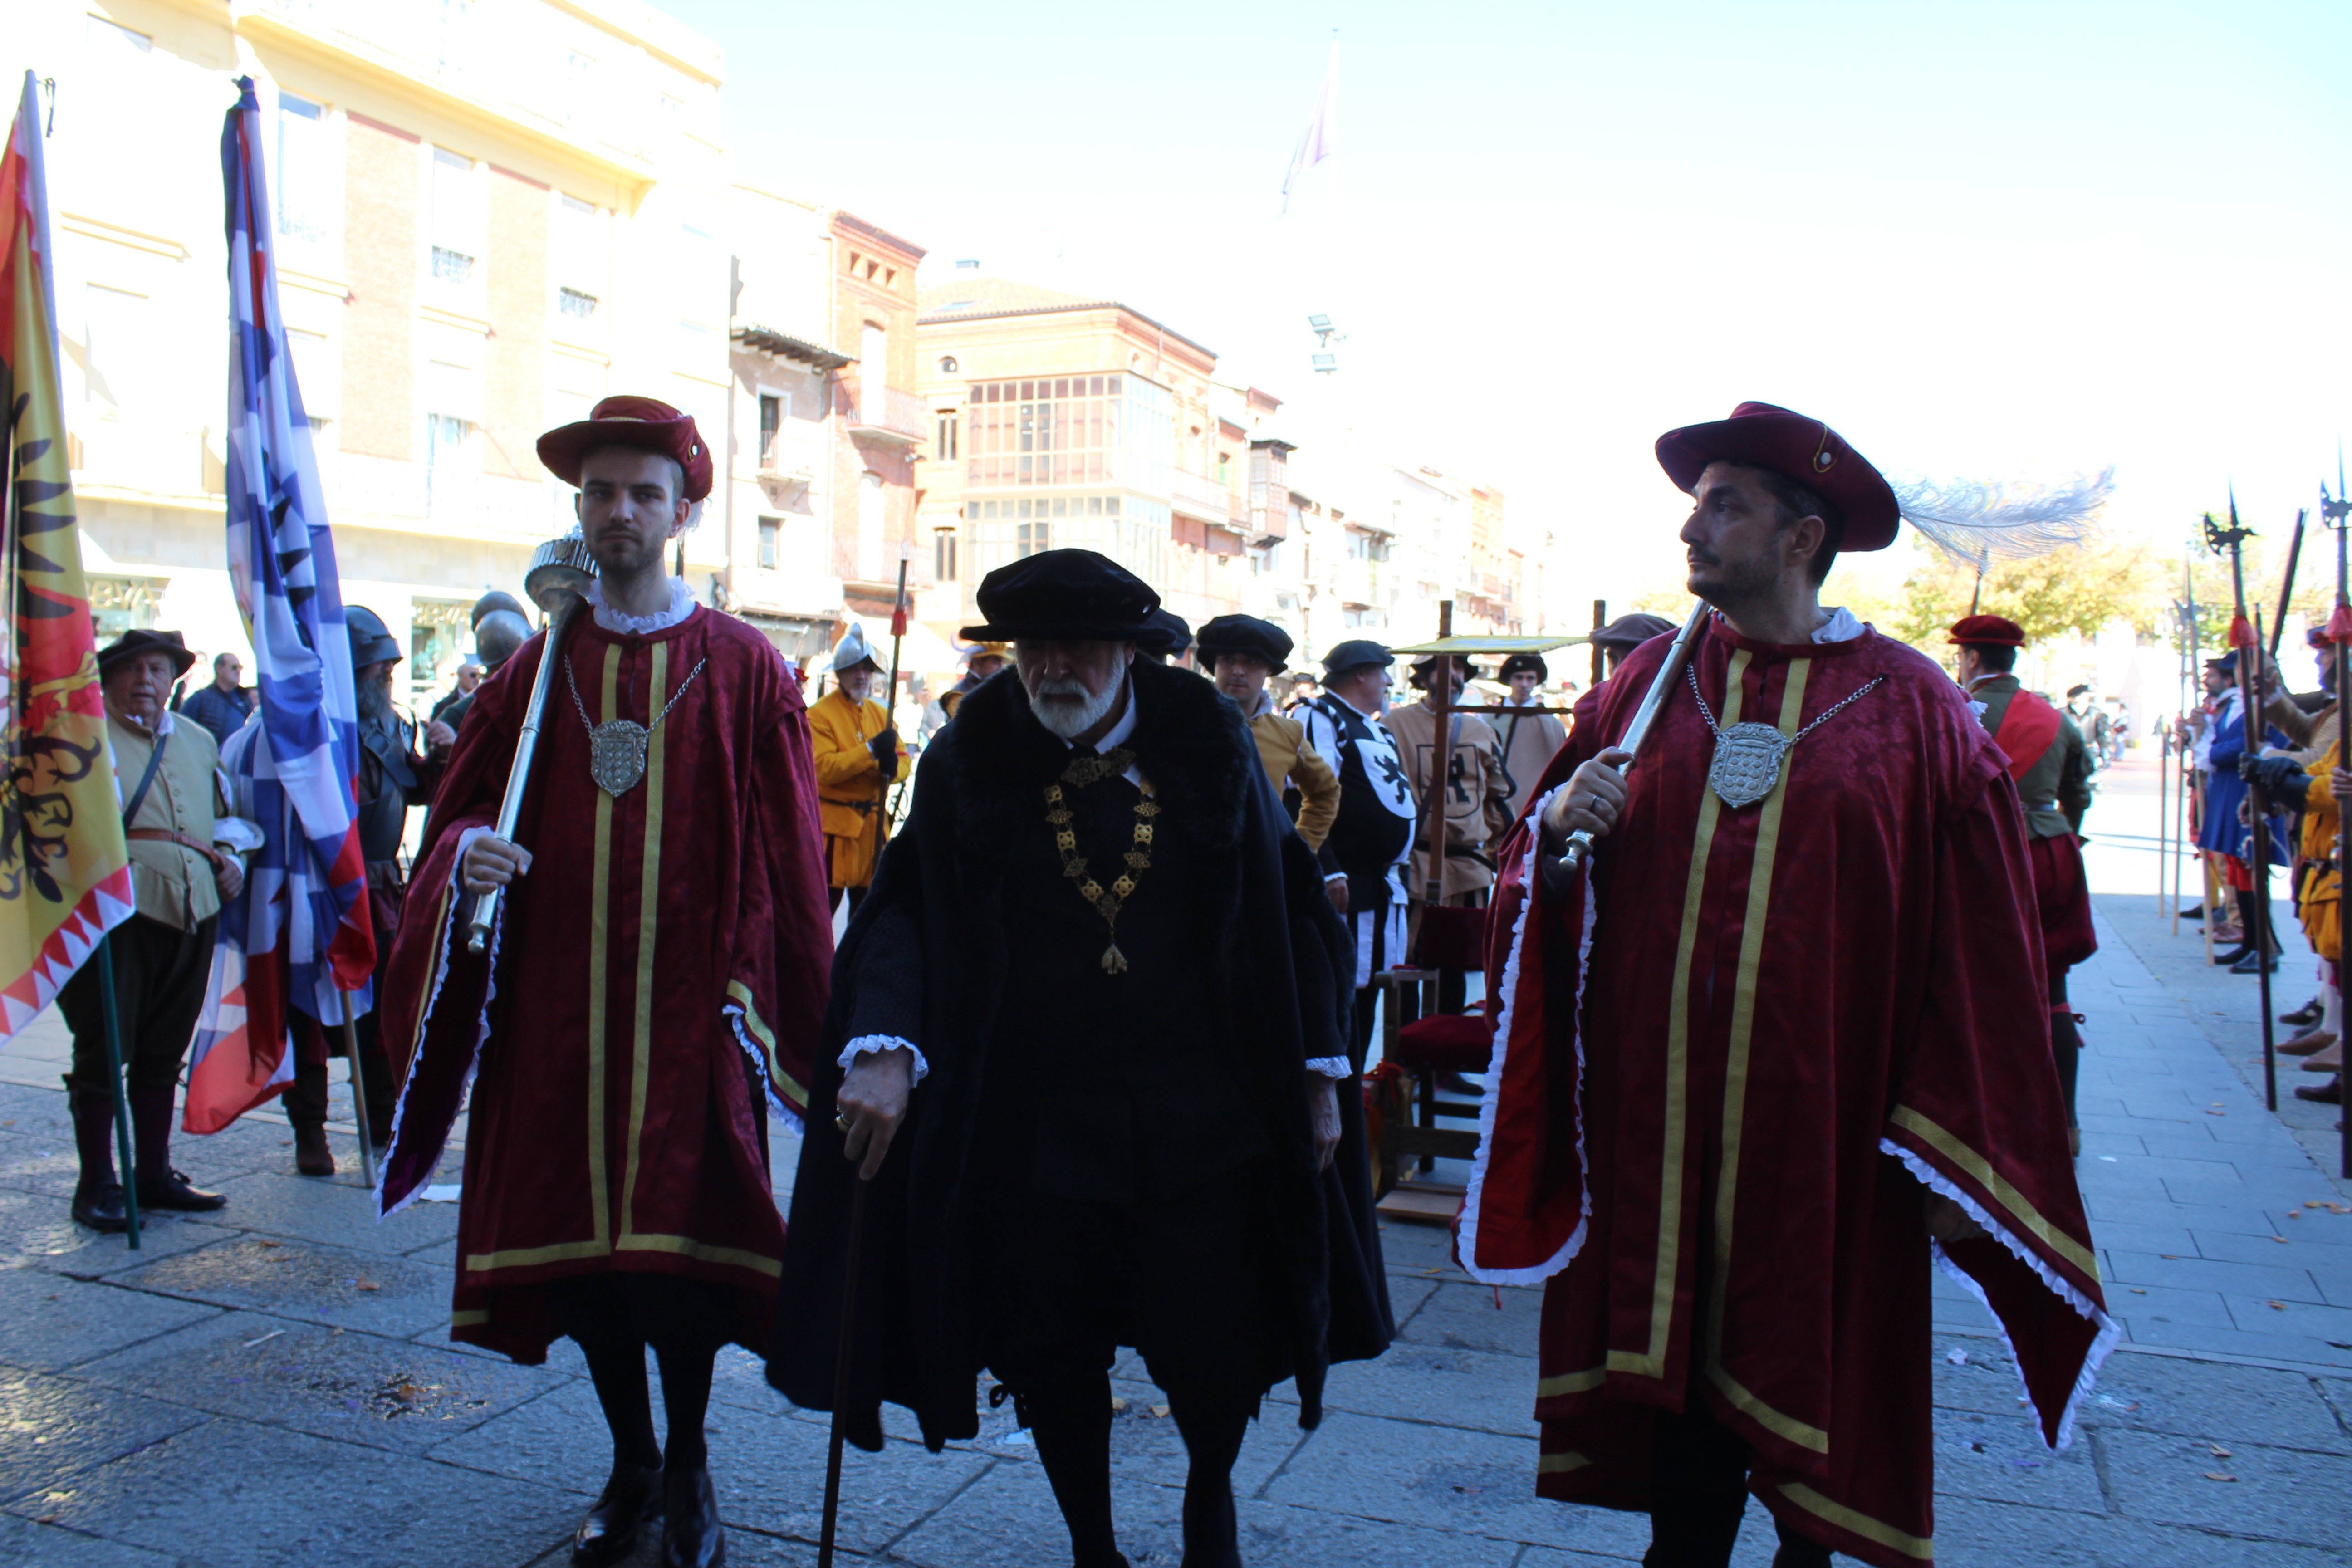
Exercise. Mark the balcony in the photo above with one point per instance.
(885, 413)
(1204, 498)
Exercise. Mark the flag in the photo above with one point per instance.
(64, 874)
(299, 935)
(1320, 138)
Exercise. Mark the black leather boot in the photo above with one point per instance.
(692, 1536)
(98, 1197)
(160, 1187)
(631, 1497)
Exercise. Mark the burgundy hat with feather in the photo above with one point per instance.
(1803, 450)
(642, 422)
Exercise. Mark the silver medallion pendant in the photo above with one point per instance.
(616, 755)
(1747, 759)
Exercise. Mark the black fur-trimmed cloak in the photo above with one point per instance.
(924, 959)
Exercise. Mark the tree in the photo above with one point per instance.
(2080, 590)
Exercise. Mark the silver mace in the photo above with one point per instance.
(1580, 843)
(560, 571)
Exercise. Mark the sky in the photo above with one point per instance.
(1986, 240)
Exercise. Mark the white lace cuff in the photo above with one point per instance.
(865, 1043)
(1335, 876)
(1333, 1067)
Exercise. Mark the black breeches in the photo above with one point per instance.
(160, 974)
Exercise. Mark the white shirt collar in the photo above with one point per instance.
(1840, 627)
(1264, 704)
(681, 605)
(163, 727)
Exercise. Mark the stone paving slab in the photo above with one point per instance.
(341, 1289)
(51, 1323)
(271, 1203)
(58, 1427)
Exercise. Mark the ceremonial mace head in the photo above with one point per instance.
(560, 572)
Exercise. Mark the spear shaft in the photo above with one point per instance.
(2245, 640)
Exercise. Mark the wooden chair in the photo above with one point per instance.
(1426, 1044)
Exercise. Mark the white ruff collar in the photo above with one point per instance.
(681, 605)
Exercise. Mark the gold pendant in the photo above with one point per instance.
(1746, 763)
(616, 755)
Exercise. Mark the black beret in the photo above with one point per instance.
(1528, 661)
(1165, 633)
(1245, 634)
(1064, 596)
(1354, 653)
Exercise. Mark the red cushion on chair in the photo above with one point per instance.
(1447, 1042)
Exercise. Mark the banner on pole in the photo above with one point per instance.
(300, 934)
(64, 874)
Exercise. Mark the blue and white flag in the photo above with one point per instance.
(300, 935)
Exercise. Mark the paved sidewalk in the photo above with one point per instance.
(273, 1385)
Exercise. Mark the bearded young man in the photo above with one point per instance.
(1786, 1024)
(654, 984)
(1082, 1044)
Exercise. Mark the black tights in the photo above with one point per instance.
(1071, 1417)
(2066, 1039)
(1698, 1490)
(608, 1320)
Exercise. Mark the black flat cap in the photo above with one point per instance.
(1426, 667)
(1528, 661)
(1632, 631)
(1166, 634)
(1064, 596)
(1354, 653)
(1245, 634)
(138, 641)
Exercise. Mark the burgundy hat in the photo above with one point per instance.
(1803, 450)
(1987, 631)
(630, 422)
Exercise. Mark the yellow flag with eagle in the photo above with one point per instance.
(64, 874)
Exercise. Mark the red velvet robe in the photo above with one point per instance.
(664, 962)
(1760, 1030)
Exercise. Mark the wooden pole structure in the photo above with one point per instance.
(1441, 686)
(358, 1098)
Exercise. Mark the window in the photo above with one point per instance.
(943, 555)
(1130, 531)
(1069, 431)
(1368, 546)
(458, 218)
(771, 531)
(445, 473)
(113, 335)
(305, 169)
(574, 303)
(873, 369)
(943, 438)
(314, 375)
(948, 366)
(771, 424)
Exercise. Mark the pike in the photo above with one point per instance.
(891, 696)
(1670, 669)
(2244, 640)
(2336, 513)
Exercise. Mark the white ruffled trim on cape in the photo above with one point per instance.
(481, 1041)
(681, 605)
(778, 1106)
(1475, 1198)
(2110, 1331)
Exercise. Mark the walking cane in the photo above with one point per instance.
(890, 701)
(841, 1374)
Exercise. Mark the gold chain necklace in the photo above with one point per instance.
(1082, 772)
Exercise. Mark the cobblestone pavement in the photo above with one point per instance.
(273, 1384)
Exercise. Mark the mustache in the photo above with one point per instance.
(1065, 687)
(1698, 557)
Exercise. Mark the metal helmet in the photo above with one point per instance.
(853, 650)
(371, 640)
(498, 599)
(500, 633)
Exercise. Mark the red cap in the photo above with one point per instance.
(1989, 631)
(1803, 450)
(630, 422)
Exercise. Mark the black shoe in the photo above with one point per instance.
(2195, 913)
(312, 1157)
(2254, 963)
(631, 1498)
(2232, 957)
(2328, 1093)
(99, 1205)
(2310, 1012)
(692, 1536)
(173, 1191)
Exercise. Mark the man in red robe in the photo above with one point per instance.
(654, 985)
(1786, 1024)
(2052, 763)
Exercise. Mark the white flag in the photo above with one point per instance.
(1321, 136)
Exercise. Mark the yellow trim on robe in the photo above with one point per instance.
(1571, 1383)
(641, 1035)
(1978, 1166)
(1735, 1079)
(794, 1092)
(1861, 1524)
(1653, 1362)
(1561, 1463)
